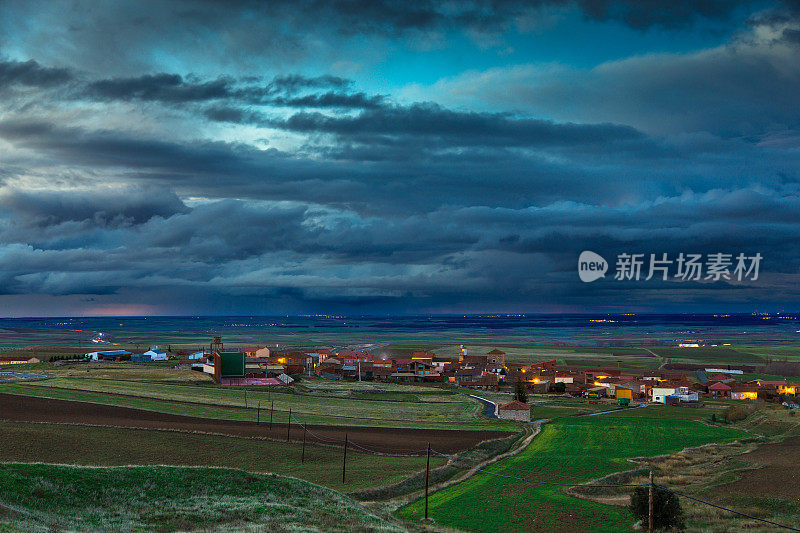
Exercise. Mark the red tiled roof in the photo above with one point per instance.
(496, 352)
(515, 405)
(719, 386)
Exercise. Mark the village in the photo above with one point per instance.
(369, 418)
(262, 365)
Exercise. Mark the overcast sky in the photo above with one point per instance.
(368, 156)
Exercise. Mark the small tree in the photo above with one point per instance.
(667, 510)
(520, 394)
(559, 387)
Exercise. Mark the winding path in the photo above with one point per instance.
(491, 407)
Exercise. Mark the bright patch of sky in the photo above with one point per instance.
(571, 40)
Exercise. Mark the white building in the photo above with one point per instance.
(682, 393)
(156, 354)
(108, 353)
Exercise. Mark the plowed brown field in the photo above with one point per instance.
(378, 439)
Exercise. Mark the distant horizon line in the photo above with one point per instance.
(418, 315)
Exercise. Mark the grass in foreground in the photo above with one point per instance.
(42, 497)
(569, 450)
(103, 446)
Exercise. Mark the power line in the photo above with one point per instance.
(409, 453)
(415, 453)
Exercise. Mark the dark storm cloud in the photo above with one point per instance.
(380, 176)
(356, 100)
(460, 128)
(447, 255)
(375, 16)
(646, 13)
(236, 115)
(281, 90)
(159, 87)
(281, 32)
(116, 179)
(32, 74)
(453, 161)
(291, 84)
(100, 208)
(110, 148)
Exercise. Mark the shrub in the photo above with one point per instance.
(667, 510)
(735, 413)
(520, 393)
(559, 387)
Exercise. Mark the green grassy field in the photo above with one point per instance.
(106, 446)
(569, 450)
(159, 498)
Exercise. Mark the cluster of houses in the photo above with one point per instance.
(488, 371)
(674, 388)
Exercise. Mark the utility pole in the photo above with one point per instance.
(359, 369)
(303, 456)
(650, 520)
(344, 459)
(271, 409)
(245, 398)
(289, 425)
(427, 477)
(258, 413)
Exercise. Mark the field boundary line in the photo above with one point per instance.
(244, 409)
(413, 496)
